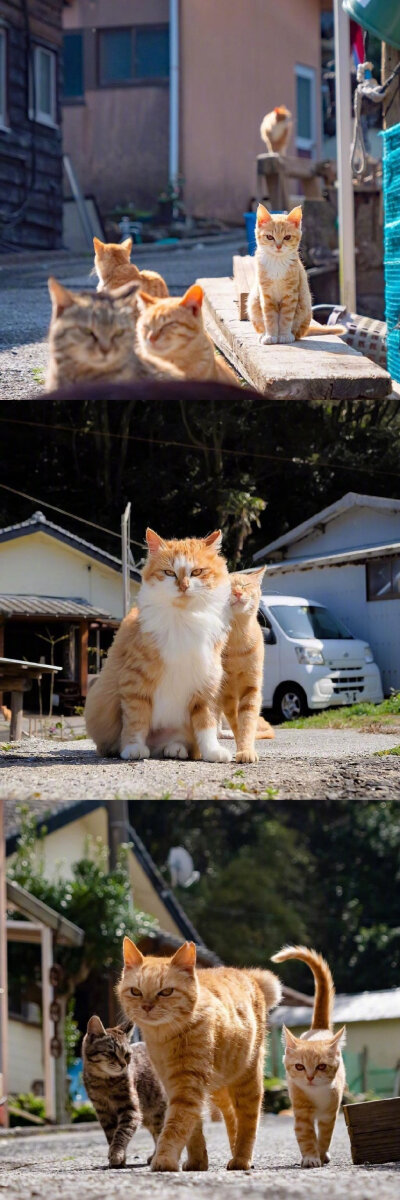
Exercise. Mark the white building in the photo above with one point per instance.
(347, 557)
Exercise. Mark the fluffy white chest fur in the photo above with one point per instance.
(276, 266)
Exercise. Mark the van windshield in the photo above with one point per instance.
(309, 621)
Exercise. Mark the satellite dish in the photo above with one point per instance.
(181, 867)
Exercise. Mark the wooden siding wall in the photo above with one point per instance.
(30, 146)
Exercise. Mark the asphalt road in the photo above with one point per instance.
(72, 1165)
(25, 304)
(300, 764)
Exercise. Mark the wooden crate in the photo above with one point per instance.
(374, 1131)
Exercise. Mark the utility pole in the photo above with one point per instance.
(3, 977)
(347, 268)
(125, 555)
(118, 829)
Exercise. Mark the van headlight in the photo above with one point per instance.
(307, 655)
(368, 655)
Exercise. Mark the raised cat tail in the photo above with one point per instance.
(324, 985)
(270, 986)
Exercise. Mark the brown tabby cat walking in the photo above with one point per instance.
(114, 268)
(122, 1085)
(243, 661)
(279, 304)
(173, 331)
(205, 1032)
(314, 1065)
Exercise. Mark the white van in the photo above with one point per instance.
(311, 660)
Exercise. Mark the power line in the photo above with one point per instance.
(64, 513)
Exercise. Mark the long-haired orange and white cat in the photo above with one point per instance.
(314, 1065)
(159, 686)
(205, 1032)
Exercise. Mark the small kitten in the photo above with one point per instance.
(114, 268)
(92, 336)
(279, 303)
(173, 330)
(243, 663)
(205, 1032)
(122, 1085)
(276, 129)
(158, 688)
(314, 1065)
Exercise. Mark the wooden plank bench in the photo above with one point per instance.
(317, 369)
(274, 171)
(16, 676)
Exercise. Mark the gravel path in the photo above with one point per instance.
(299, 764)
(25, 305)
(73, 1165)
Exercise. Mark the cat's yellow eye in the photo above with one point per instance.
(166, 992)
(321, 1067)
(136, 992)
(170, 573)
(198, 571)
(299, 1067)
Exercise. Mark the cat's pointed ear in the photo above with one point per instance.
(263, 216)
(127, 246)
(98, 246)
(154, 541)
(214, 539)
(132, 956)
(185, 957)
(193, 298)
(288, 1038)
(339, 1038)
(95, 1027)
(295, 216)
(61, 298)
(126, 1027)
(144, 300)
(259, 573)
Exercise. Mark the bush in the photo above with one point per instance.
(27, 1103)
(83, 1112)
(276, 1095)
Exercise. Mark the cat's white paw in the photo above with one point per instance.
(309, 1161)
(326, 1159)
(175, 750)
(287, 339)
(217, 754)
(135, 750)
(268, 339)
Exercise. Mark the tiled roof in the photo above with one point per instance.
(51, 606)
(38, 522)
(366, 1006)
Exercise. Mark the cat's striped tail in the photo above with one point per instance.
(314, 328)
(324, 985)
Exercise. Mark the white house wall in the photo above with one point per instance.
(39, 565)
(24, 1055)
(344, 591)
(354, 529)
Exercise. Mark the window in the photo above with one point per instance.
(73, 66)
(128, 56)
(42, 96)
(383, 579)
(310, 621)
(305, 108)
(3, 79)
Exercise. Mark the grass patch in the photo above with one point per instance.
(383, 753)
(367, 717)
(38, 375)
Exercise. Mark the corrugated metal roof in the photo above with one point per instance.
(366, 1006)
(38, 522)
(50, 606)
(332, 560)
(349, 500)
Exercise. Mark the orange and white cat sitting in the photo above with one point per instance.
(112, 263)
(279, 304)
(276, 128)
(314, 1065)
(159, 685)
(205, 1033)
(243, 663)
(173, 330)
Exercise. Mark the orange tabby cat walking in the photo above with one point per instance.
(205, 1033)
(314, 1065)
(173, 330)
(276, 128)
(113, 266)
(279, 304)
(243, 662)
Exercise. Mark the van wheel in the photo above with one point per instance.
(290, 702)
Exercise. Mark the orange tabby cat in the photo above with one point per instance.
(174, 330)
(314, 1065)
(276, 129)
(114, 268)
(243, 662)
(205, 1033)
(279, 303)
(159, 685)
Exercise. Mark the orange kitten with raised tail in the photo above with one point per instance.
(205, 1032)
(158, 689)
(314, 1065)
(279, 303)
(112, 264)
(276, 128)
(173, 330)
(243, 663)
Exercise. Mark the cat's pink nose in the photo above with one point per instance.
(184, 583)
(237, 593)
(147, 1007)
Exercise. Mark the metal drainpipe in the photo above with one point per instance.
(173, 91)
